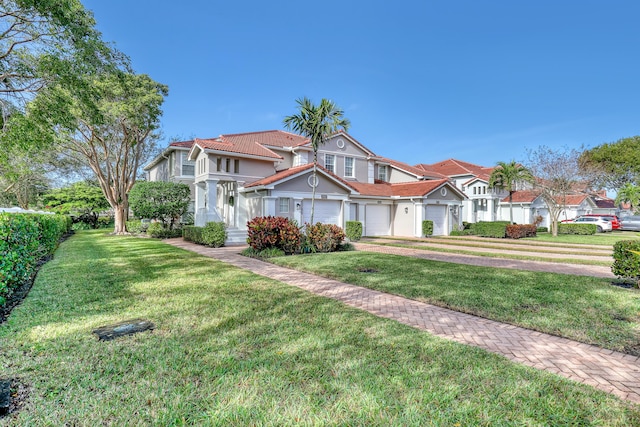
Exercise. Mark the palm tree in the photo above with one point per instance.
(505, 176)
(629, 193)
(316, 122)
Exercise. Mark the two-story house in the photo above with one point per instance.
(237, 177)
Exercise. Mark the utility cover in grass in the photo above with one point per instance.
(127, 327)
(5, 396)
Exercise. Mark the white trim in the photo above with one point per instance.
(353, 167)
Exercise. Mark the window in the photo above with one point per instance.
(382, 172)
(188, 166)
(227, 166)
(349, 170)
(475, 189)
(284, 205)
(236, 166)
(330, 162)
(218, 164)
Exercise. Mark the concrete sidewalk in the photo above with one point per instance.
(606, 370)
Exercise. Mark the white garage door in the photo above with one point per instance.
(438, 214)
(325, 211)
(377, 220)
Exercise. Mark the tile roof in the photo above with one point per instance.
(528, 196)
(279, 176)
(240, 145)
(411, 169)
(294, 171)
(523, 196)
(604, 203)
(271, 138)
(452, 167)
(403, 189)
(184, 144)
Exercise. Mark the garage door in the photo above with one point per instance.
(438, 214)
(326, 211)
(377, 221)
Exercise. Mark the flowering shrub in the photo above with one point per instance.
(324, 237)
(274, 232)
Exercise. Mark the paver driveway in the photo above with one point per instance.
(613, 372)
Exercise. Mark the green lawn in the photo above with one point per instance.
(596, 239)
(232, 348)
(483, 250)
(586, 309)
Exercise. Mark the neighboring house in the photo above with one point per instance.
(527, 205)
(235, 178)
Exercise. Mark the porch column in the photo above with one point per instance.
(211, 200)
(199, 217)
(418, 208)
(490, 209)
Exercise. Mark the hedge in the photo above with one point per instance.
(626, 264)
(212, 234)
(518, 231)
(490, 229)
(582, 229)
(427, 227)
(354, 230)
(24, 240)
(266, 232)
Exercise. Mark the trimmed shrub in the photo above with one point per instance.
(24, 240)
(136, 227)
(461, 233)
(581, 229)
(191, 233)
(324, 237)
(518, 231)
(542, 230)
(626, 264)
(158, 231)
(427, 228)
(490, 229)
(353, 230)
(214, 234)
(274, 232)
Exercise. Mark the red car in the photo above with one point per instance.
(615, 221)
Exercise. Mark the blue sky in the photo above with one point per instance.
(421, 81)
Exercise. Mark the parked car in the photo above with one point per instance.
(615, 221)
(630, 223)
(602, 225)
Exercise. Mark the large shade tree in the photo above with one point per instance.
(46, 41)
(614, 164)
(111, 125)
(318, 123)
(557, 175)
(506, 176)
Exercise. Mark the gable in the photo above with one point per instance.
(302, 184)
(343, 144)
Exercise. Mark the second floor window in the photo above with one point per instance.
(188, 166)
(330, 162)
(382, 172)
(349, 170)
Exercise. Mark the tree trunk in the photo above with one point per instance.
(511, 206)
(120, 219)
(315, 182)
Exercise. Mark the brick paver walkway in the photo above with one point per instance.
(606, 370)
